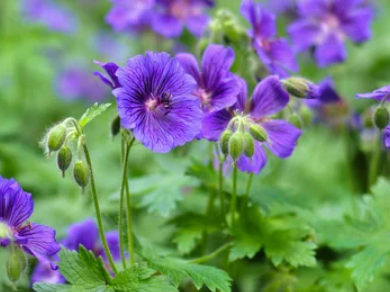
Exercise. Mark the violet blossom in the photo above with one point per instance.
(274, 53)
(326, 24)
(85, 233)
(16, 207)
(268, 99)
(217, 87)
(156, 103)
(378, 94)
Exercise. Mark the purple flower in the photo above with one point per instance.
(16, 206)
(155, 102)
(327, 95)
(110, 69)
(386, 135)
(217, 87)
(50, 14)
(131, 15)
(171, 16)
(378, 94)
(326, 24)
(78, 83)
(275, 53)
(282, 6)
(268, 98)
(85, 233)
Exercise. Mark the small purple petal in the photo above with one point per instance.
(263, 23)
(190, 65)
(197, 24)
(386, 134)
(85, 233)
(242, 97)
(304, 34)
(113, 244)
(268, 98)
(111, 69)
(282, 137)
(378, 94)
(357, 25)
(254, 164)
(167, 25)
(215, 123)
(282, 55)
(331, 51)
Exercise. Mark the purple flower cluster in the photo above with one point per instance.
(49, 14)
(275, 53)
(165, 17)
(16, 206)
(326, 24)
(85, 233)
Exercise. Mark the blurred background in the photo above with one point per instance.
(46, 75)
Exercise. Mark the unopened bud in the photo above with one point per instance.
(249, 148)
(306, 116)
(258, 133)
(81, 174)
(301, 88)
(64, 159)
(56, 138)
(236, 145)
(16, 265)
(115, 126)
(381, 118)
(295, 120)
(224, 141)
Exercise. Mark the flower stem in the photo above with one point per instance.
(248, 189)
(125, 184)
(220, 188)
(121, 209)
(210, 256)
(375, 160)
(233, 206)
(98, 213)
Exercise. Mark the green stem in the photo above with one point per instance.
(248, 189)
(220, 188)
(128, 202)
(210, 256)
(375, 160)
(121, 208)
(98, 213)
(233, 206)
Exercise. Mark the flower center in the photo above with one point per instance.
(163, 101)
(330, 24)
(204, 96)
(183, 9)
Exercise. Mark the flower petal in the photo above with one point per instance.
(282, 137)
(84, 233)
(262, 22)
(331, 51)
(304, 34)
(242, 96)
(314, 8)
(268, 98)
(386, 135)
(254, 164)
(167, 25)
(197, 24)
(357, 25)
(111, 69)
(225, 94)
(43, 272)
(190, 65)
(282, 54)
(215, 123)
(113, 244)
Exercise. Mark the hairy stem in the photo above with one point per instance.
(121, 208)
(220, 188)
(211, 255)
(233, 206)
(98, 213)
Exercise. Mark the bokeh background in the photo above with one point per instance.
(46, 75)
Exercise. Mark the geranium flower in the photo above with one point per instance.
(275, 53)
(326, 24)
(16, 206)
(378, 94)
(155, 102)
(268, 98)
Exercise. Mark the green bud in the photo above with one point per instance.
(16, 265)
(224, 140)
(236, 145)
(381, 118)
(295, 120)
(81, 173)
(56, 138)
(64, 159)
(297, 86)
(306, 116)
(258, 133)
(115, 126)
(249, 148)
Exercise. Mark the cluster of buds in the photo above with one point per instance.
(240, 136)
(58, 140)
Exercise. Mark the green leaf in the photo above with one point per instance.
(93, 112)
(200, 275)
(43, 287)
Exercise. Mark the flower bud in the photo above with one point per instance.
(236, 145)
(301, 88)
(381, 118)
(115, 126)
(295, 120)
(56, 138)
(258, 133)
(306, 116)
(249, 148)
(64, 159)
(16, 265)
(81, 174)
(224, 141)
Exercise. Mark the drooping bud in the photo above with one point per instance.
(295, 120)
(236, 145)
(64, 159)
(224, 141)
(81, 174)
(249, 148)
(381, 118)
(56, 138)
(16, 264)
(301, 88)
(115, 126)
(258, 133)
